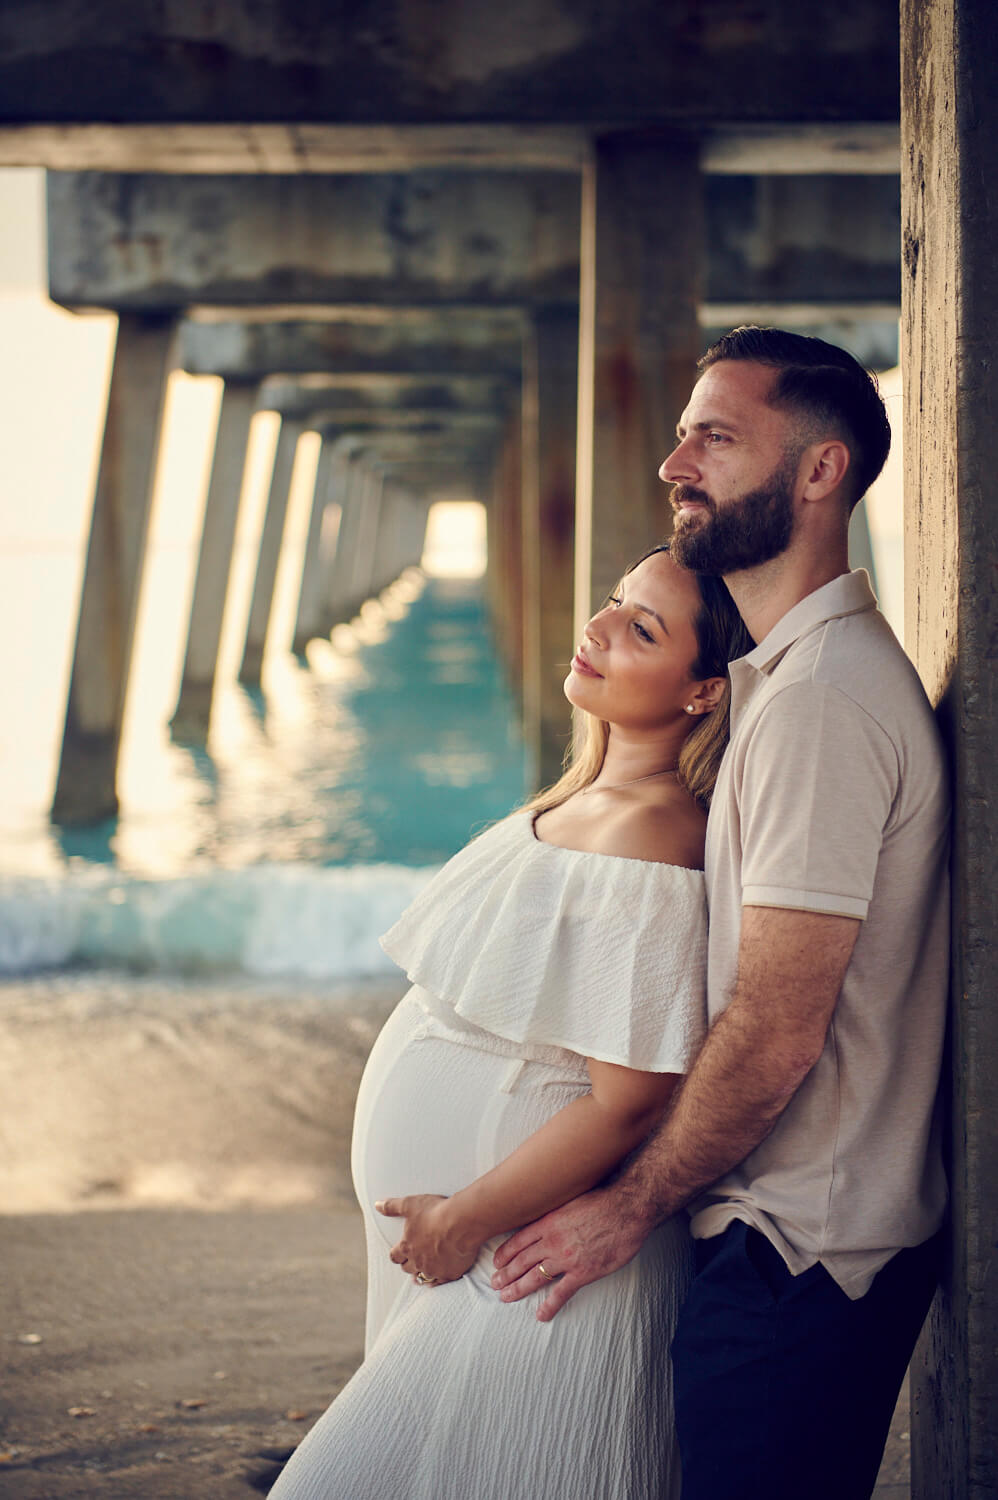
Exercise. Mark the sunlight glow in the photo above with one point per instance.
(455, 545)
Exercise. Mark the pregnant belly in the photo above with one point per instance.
(434, 1113)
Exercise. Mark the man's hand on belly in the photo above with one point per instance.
(577, 1244)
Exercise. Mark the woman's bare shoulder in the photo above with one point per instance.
(669, 829)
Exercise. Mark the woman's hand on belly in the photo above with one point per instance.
(433, 1244)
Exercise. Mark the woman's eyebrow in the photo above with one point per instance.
(646, 609)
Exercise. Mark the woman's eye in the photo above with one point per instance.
(645, 635)
(615, 599)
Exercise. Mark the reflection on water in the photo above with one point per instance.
(389, 745)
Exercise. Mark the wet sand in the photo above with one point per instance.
(182, 1260)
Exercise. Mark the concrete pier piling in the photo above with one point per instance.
(192, 715)
(265, 578)
(86, 787)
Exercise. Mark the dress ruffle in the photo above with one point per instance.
(602, 956)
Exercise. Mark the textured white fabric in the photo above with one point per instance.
(555, 947)
(461, 1396)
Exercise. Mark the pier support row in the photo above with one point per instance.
(498, 250)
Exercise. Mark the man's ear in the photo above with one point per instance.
(824, 467)
(706, 695)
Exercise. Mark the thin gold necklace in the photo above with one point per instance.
(666, 771)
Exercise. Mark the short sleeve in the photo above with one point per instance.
(818, 783)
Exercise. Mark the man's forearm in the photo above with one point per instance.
(735, 1093)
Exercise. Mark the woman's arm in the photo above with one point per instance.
(570, 1153)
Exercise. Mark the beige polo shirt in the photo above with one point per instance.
(832, 798)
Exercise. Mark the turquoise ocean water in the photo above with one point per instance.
(318, 808)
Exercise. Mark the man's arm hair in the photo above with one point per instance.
(791, 965)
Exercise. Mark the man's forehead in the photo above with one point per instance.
(731, 391)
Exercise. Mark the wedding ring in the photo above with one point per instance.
(547, 1274)
(425, 1280)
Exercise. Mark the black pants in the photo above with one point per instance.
(784, 1387)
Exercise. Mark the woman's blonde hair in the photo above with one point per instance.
(721, 637)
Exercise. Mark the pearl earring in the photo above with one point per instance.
(690, 709)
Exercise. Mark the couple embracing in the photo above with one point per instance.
(669, 1192)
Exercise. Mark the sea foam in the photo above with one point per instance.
(291, 919)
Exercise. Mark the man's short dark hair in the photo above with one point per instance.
(832, 394)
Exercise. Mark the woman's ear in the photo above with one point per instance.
(706, 695)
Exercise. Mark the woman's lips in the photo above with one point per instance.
(580, 665)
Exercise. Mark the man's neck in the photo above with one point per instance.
(766, 593)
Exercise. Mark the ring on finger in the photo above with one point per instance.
(548, 1275)
(425, 1280)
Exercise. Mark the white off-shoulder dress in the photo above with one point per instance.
(525, 958)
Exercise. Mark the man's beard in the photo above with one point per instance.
(745, 532)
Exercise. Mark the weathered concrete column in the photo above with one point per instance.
(86, 783)
(262, 601)
(388, 544)
(950, 301)
(192, 715)
(505, 555)
(414, 530)
(550, 397)
(339, 603)
(362, 577)
(642, 254)
(310, 618)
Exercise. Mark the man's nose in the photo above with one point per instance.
(679, 465)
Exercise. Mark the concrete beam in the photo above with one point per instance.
(379, 395)
(870, 334)
(435, 238)
(86, 786)
(852, 147)
(846, 146)
(464, 63)
(949, 126)
(465, 345)
(791, 238)
(388, 445)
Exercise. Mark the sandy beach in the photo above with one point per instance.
(182, 1260)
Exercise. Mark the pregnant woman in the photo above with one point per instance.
(557, 969)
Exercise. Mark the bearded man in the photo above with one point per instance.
(805, 1140)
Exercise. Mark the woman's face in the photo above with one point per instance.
(633, 665)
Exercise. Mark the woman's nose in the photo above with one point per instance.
(595, 629)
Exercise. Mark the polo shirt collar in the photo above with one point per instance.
(849, 594)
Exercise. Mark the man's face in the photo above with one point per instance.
(734, 471)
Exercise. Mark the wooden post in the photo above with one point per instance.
(949, 126)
